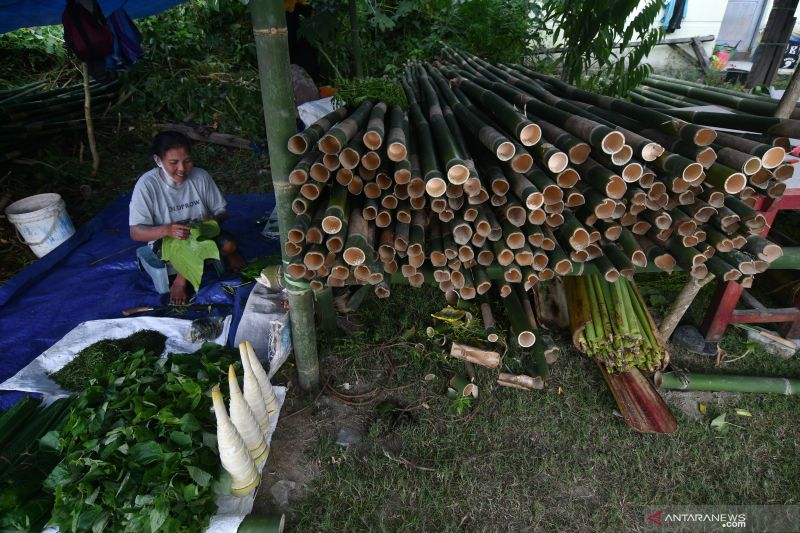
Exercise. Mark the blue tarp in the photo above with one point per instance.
(15, 14)
(54, 294)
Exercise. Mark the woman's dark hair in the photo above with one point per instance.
(165, 141)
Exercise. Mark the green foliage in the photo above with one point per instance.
(189, 256)
(140, 447)
(30, 50)
(200, 64)
(351, 92)
(588, 31)
(392, 32)
(96, 358)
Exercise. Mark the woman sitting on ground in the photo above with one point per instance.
(169, 197)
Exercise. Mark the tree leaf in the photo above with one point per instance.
(146, 452)
(199, 476)
(719, 423)
(180, 438)
(188, 256)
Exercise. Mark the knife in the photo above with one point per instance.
(173, 308)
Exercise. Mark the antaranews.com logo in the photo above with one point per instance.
(701, 518)
(661, 518)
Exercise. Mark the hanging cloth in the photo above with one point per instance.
(127, 41)
(674, 13)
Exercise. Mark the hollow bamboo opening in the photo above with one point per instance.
(505, 151)
(652, 151)
(568, 178)
(699, 271)
(438, 205)
(554, 220)
(331, 162)
(783, 172)
(310, 190)
(383, 180)
(665, 262)
(446, 215)
(706, 157)
(384, 219)
(554, 207)
(403, 216)
(579, 239)
(331, 225)
(513, 275)
(292, 248)
(371, 160)
(773, 157)
(574, 199)
(616, 187)
(632, 172)
(579, 153)
(521, 162)
(537, 216)
(356, 185)
(648, 179)
(296, 235)
(613, 142)
(466, 253)
(361, 273)
(704, 137)
(344, 176)
(516, 215)
(296, 270)
(372, 140)
(457, 174)
(735, 183)
(297, 145)
(389, 201)
(319, 173)
(438, 259)
(479, 198)
(515, 240)
(472, 186)
(485, 257)
(776, 190)
(335, 243)
(416, 280)
(623, 156)
(691, 173)
(298, 177)
(435, 187)
(330, 145)
(349, 158)
(558, 162)
(313, 260)
(402, 176)
(526, 339)
(530, 135)
(396, 152)
(612, 275)
(441, 275)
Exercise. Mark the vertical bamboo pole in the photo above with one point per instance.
(272, 49)
(789, 99)
(354, 41)
(87, 112)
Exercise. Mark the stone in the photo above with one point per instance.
(347, 437)
(689, 338)
(280, 492)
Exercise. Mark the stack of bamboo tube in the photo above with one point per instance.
(499, 173)
(30, 114)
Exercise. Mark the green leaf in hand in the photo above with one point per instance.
(188, 256)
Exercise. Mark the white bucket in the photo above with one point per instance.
(42, 222)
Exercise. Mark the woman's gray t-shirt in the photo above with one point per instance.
(154, 202)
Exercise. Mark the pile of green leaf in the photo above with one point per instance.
(351, 92)
(95, 359)
(139, 447)
(28, 447)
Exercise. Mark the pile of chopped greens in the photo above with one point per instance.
(140, 448)
(95, 359)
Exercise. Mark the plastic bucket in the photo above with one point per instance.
(42, 222)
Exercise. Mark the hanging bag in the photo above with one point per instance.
(127, 41)
(86, 33)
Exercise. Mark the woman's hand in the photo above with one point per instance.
(177, 231)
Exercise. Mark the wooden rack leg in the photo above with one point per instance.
(723, 303)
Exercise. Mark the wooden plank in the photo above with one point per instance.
(700, 53)
(680, 40)
(759, 316)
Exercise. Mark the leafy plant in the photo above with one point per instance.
(588, 31)
(188, 256)
(139, 446)
(459, 404)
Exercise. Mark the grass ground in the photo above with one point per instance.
(552, 460)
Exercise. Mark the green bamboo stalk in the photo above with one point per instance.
(727, 383)
(272, 50)
(340, 134)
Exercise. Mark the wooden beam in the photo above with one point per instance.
(773, 43)
(760, 316)
(700, 53)
(678, 40)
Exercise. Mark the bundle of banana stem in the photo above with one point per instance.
(611, 324)
(30, 114)
(496, 172)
